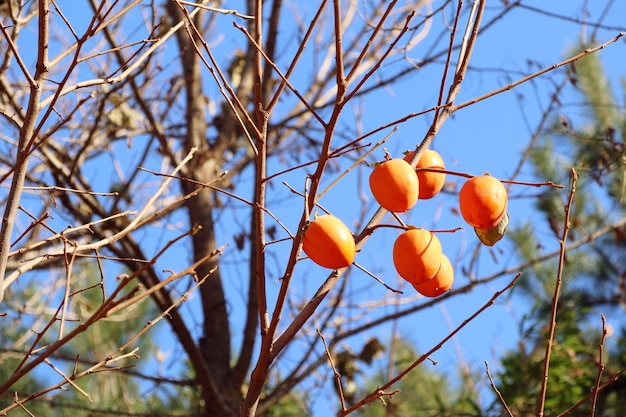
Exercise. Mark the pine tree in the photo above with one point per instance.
(594, 272)
(423, 392)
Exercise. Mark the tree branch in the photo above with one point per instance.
(27, 133)
(555, 297)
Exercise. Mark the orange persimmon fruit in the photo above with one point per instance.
(430, 182)
(417, 255)
(329, 243)
(395, 185)
(440, 283)
(483, 200)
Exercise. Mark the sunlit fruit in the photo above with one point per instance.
(430, 182)
(417, 255)
(329, 243)
(440, 283)
(395, 185)
(483, 201)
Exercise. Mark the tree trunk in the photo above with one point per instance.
(205, 166)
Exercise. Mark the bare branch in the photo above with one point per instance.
(376, 394)
(27, 133)
(555, 298)
(495, 389)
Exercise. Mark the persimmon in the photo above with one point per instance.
(417, 255)
(440, 283)
(430, 183)
(329, 243)
(395, 185)
(483, 200)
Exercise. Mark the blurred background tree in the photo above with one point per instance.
(592, 140)
(424, 392)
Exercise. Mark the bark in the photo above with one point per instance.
(215, 342)
(206, 167)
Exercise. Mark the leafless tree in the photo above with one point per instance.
(179, 149)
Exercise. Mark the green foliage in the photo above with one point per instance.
(295, 403)
(423, 392)
(11, 354)
(116, 390)
(290, 405)
(600, 145)
(591, 80)
(572, 368)
(108, 392)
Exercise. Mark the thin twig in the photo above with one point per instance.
(275, 99)
(356, 163)
(71, 190)
(69, 380)
(65, 305)
(127, 71)
(380, 390)
(88, 247)
(538, 73)
(68, 232)
(586, 398)
(339, 64)
(18, 57)
(335, 372)
(36, 221)
(225, 88)
(165, 313)
(497, 391)
(110, 306)
(380, 281)
(596, 385)
(285, 80)
(217, 10)
(448, 108)
(334, 154)
(446, 67)
(490, 94)
(384, 55)
(555, 297)
(368, 44)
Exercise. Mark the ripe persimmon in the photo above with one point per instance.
(395, 185)
(417, 255)
(483, 201)
(329, 243)
(440, 283)
(430, 182)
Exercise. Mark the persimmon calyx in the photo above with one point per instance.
(492, 235)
